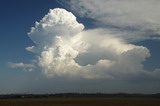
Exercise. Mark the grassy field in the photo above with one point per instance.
(81, 102)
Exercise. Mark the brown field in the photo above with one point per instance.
(81, 102)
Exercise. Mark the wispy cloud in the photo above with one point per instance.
(25, 67)
(139, 19)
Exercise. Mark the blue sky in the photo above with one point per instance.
(131, 38)
(18, 16)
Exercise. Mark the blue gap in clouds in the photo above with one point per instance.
(153, 62)
(87, 22)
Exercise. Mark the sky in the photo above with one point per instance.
(86, 46)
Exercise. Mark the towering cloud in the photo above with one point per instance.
(64, 49)
(57, 22)
(59, 41)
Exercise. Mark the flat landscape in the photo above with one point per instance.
(80, 101)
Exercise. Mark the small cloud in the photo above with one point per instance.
(31, 49)
(25, 67)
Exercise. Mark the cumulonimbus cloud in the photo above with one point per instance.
(64, 49)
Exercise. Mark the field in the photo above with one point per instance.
(81, 102)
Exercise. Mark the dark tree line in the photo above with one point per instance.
(65, 95)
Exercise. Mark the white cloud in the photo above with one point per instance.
(54, 24)
(64, 49)
(140, 17)
(16, 65)
(63, 46)
(32, 49)
(25, 67)
(122, 58)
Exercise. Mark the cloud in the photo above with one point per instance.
(65, 49)
(112, 57)
(32, 49)
(57, 22)
(139, 19)
(26, 67)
